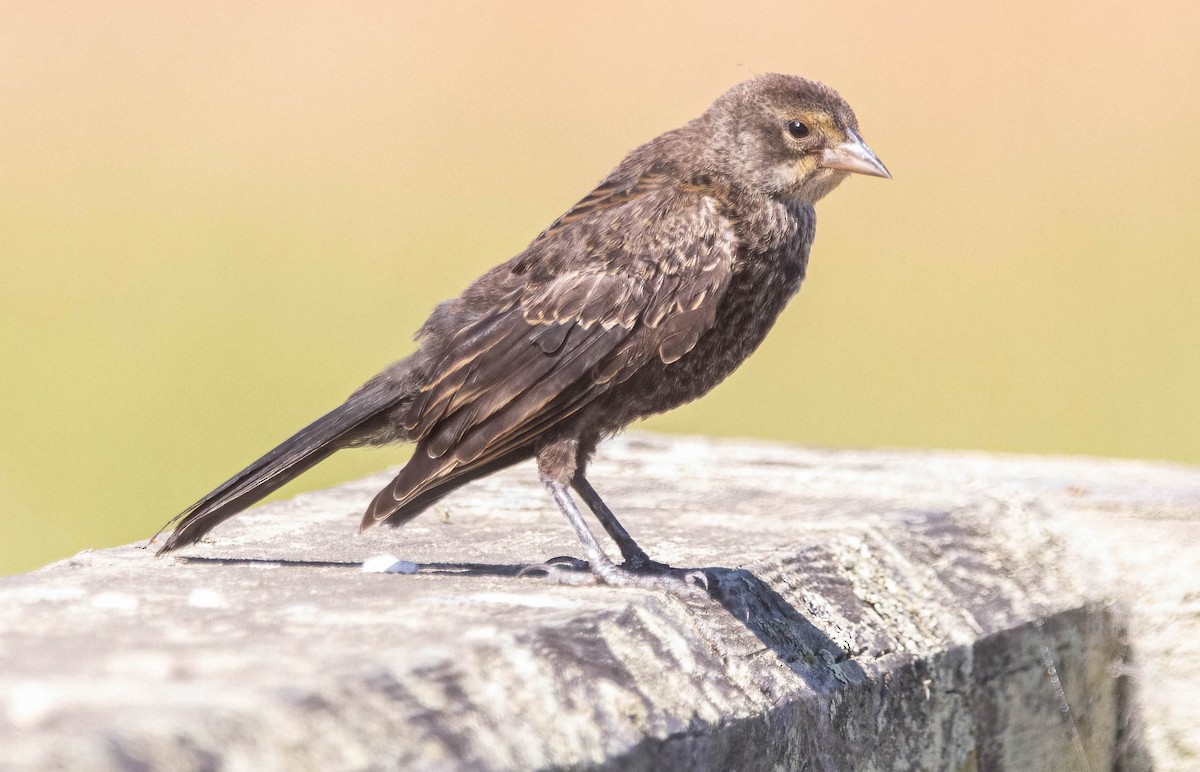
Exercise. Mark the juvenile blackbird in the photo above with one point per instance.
(643, 296)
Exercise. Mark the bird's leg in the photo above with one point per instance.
(635, 557)
(653, 576)
(599, 562)
(559, 465)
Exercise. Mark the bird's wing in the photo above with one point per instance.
(654, 269)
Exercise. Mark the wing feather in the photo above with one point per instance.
(582, 315)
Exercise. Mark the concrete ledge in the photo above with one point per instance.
(873, 610)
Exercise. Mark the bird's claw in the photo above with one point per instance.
(674, 581)
(560, 564)
(561, 570)
(568, 562)
(649, 575)
(697, 578)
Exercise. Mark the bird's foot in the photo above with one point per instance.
(643, 565)
(647, 575)
(563, 569)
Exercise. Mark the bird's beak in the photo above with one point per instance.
(853, 155)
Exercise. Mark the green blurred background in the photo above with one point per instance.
(218, 219)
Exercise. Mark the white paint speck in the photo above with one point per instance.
(388, 564)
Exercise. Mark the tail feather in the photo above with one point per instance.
(298, 453)
(384, 508)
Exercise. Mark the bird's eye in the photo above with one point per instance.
(798, 129)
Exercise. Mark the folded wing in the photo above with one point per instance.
(569, 327)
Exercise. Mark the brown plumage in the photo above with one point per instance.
(643, 296)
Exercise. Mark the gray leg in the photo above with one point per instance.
(600, 563)
(634, 555)
(603, 570)
(559, 466)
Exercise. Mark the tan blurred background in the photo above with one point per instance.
(218, 219)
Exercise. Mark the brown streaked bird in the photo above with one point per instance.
(643, 296)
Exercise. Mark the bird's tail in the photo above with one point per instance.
(332, 431)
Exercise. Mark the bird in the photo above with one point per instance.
(643, 296)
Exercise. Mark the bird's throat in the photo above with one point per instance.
(817, 184)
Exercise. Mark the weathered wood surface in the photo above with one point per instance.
(872, 610)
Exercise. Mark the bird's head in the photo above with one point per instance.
(787, 136)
